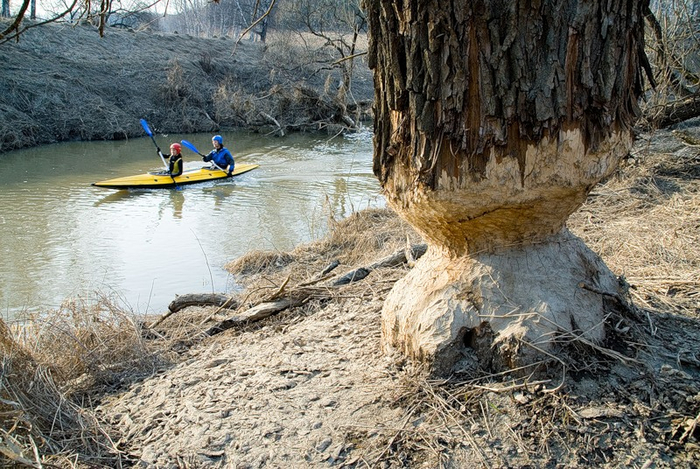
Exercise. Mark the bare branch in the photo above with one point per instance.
(255, 23)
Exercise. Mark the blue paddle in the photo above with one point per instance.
(145, 126)
(191, 147)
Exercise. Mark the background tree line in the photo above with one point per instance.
(330, 30)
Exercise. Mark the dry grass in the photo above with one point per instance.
(39, 425)
(645, 223)
(359, 239)
(54, 366)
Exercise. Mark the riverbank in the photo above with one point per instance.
(308, 386)
(64, 82)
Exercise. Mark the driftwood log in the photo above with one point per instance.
(200, 299)
(283, 299)
(196, 299)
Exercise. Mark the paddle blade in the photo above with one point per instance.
(145, 126)
(191, 147)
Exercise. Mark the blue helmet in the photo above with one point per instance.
(218, 138)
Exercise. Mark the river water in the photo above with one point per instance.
(62, 238)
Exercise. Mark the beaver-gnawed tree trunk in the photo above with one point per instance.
(493, 121)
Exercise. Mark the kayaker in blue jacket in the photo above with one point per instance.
(220, 155)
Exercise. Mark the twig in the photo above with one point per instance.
(486, 419)
(691, 428)
(391, 442)
(279, 291)
(349, 57)
(217, 311)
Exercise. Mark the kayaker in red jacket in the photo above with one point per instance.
(174, 159)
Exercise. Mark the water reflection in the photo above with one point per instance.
(117, 196)
(61, 237)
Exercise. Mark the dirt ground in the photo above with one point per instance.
(309, 387)
(64, 82)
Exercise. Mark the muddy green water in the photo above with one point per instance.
(62, 238)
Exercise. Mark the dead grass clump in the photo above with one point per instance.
(175, 88)
(90, 345)
(259, 263)
(232, 105)
(55, 367)
(38, 424)
(366, 236)
(363, 237)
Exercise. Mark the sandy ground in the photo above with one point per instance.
(310, 386)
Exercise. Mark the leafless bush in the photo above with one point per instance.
(673, 48)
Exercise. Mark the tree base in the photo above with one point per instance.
(505, 309)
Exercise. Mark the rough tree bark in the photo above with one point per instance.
(493, 121)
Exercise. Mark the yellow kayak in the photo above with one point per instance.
(155, 180)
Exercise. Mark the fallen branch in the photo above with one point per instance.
(274, 121)
(298, 295)
(352, 276)
(322, 275)
(256, 313)
(196, 299)
(396, 259)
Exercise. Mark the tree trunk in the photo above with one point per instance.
(493, 122)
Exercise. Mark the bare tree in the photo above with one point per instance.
(675, 54)
(493, 121)
(337, 26)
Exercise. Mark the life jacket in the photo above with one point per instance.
(176, 165)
